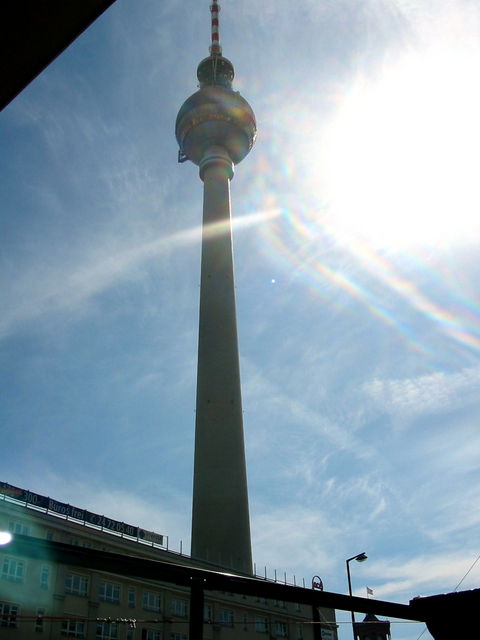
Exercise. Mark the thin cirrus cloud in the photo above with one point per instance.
(426, 394)
(278, 406)
(425, 572)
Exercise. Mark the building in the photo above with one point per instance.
(371, 628)
(51, 600)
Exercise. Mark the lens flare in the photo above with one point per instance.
(386, 189)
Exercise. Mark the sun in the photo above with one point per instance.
(400, 159)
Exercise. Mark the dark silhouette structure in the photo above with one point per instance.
(372, 628)
(450, 615)
(35, 32)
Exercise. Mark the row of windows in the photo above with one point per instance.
(77, 628)
(226, 618)
(18, 527)
(76, 584)
(8, 614)
(14, 571)
(261, 624)
(110, 592)
(109, 631)
(281, 604)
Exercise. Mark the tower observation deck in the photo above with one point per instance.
(215, 130)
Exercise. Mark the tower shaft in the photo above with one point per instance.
(220, 519)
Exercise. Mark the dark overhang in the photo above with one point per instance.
(35, 32)
(449, 615)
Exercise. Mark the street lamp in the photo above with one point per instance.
(360, 557)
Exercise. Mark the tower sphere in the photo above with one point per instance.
(215, 115)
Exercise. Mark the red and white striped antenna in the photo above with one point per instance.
(215, 47)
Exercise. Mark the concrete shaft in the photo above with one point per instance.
(220, 522)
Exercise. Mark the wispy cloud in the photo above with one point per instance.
(280, 407)
(426, 394)
(422, 575)
(288, 539)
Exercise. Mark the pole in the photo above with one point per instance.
(350, 594)
(196, 610)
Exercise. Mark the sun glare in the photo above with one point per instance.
(5, 537)
(400, 159)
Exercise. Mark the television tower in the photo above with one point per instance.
(216, 129)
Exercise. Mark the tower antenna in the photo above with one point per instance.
(215, 47)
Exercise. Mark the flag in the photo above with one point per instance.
(369, 591)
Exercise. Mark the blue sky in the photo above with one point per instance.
(357, 273)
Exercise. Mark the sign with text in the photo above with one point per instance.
(81, 515)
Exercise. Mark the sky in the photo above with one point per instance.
(355, 236)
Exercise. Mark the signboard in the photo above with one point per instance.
(317, 583)
(81, 515)
(150, 536)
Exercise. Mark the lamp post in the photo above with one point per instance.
(360, 557)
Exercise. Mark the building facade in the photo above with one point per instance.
(41, 599)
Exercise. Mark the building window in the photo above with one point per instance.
(178, 636)
(261, 625)
(75, 542)
(298, 606)
(109, 592)
(152, 634)
(281, 629)
(107, 631)
(178, 608)
(76, 585)
(73, 629)
(44, 577)
(18, 527)
(245, 623)
(151, 601)
(8, 615)
(39, 621)
(207, 613)
(299, 631)
(130, 633)
(226, 618)
(131, 597)
(13, 570)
